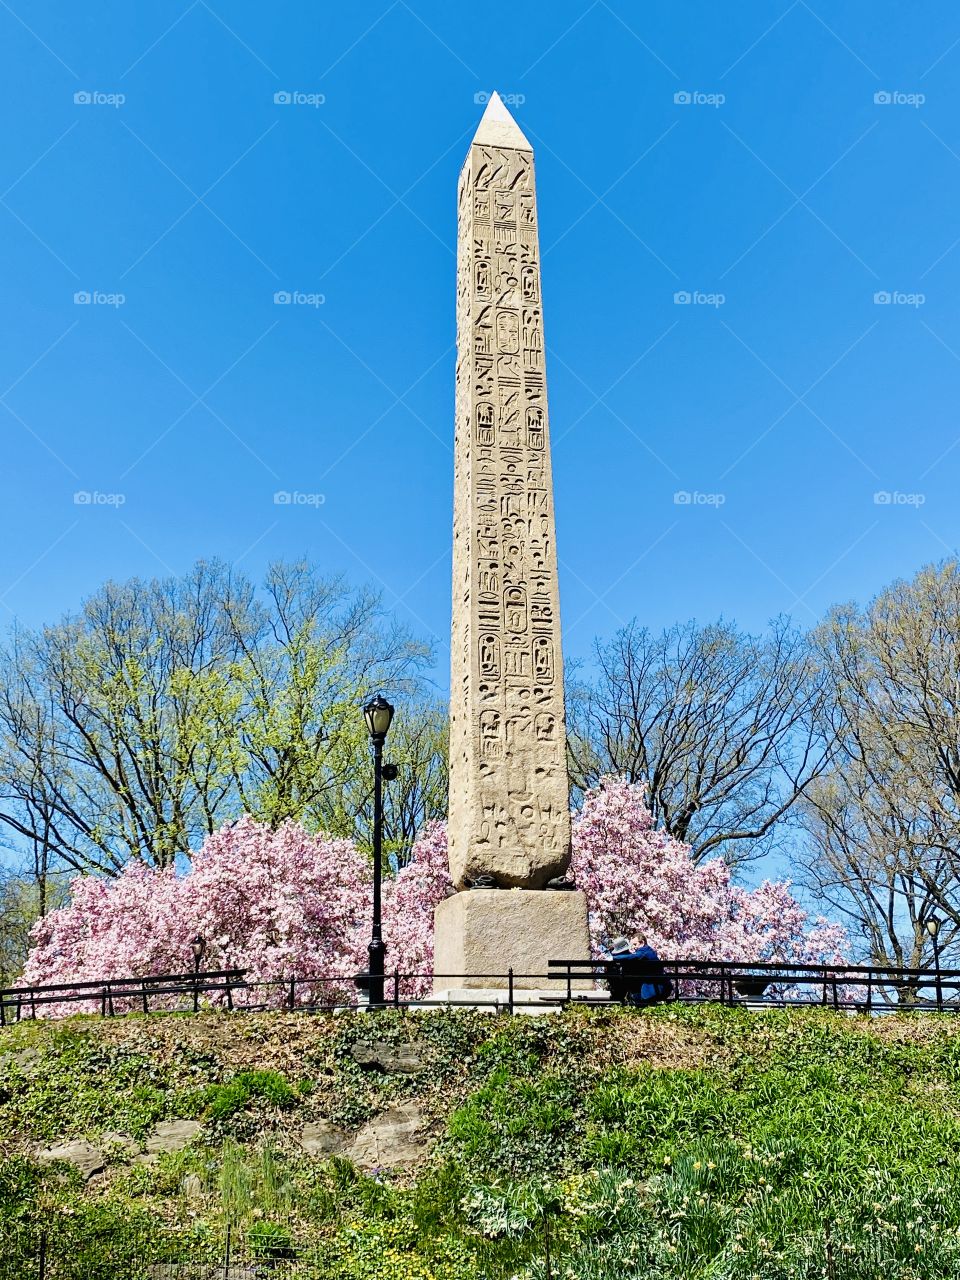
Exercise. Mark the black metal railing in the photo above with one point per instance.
(108, 995)
(861, 988)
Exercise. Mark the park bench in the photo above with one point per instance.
(635, 972)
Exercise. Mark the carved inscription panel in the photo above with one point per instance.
(509, 803)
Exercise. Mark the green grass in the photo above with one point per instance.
(686, 1144)
(225, 1100)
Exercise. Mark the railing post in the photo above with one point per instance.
(870, 991)
(292, 995)
(396, 987)
(103, 1004)
(510, 990)
(569, 984)
(196, 993)
(229, 993)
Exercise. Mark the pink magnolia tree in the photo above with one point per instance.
(286, 903)
(117, 928)
(281, 902)
(274, 903)
(640, 880)
(409, 908)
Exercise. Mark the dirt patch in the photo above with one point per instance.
(669, 1045)
(237, 1041)
(905, 1028)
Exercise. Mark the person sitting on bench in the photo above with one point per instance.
(636, 977)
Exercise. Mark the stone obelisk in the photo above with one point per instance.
(509, 815)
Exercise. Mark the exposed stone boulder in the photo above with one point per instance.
(321, 1138)
(26, 1059)
(171, 1135)
(406, 1058)
(393, 1138)
(82, 1155)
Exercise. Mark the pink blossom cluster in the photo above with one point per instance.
(409, 906)
(640, 880)
(119, 928)
(282, 903)
(274, 903)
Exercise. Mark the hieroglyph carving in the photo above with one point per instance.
(509, 800)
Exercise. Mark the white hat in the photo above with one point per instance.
(619, 945)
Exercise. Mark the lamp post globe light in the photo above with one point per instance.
(378, 714)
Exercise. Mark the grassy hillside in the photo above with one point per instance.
(674, 1143)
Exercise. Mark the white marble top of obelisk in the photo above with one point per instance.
(499, 129)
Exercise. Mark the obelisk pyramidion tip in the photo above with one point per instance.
(499, 129)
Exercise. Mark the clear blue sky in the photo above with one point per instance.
(798, 198)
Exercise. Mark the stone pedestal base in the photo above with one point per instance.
(481, 933)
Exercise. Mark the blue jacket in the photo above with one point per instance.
(648, 990)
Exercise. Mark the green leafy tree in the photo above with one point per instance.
(165, 708)
(417, 745)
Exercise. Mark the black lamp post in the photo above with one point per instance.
(378, 714)
(198, 946)
(933, 928)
